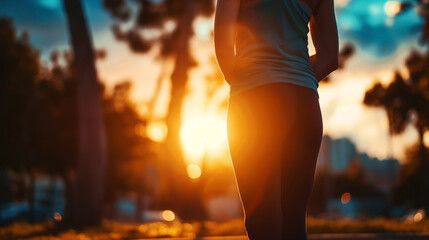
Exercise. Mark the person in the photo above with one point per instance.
(274, 121)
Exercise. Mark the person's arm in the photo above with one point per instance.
(224, 34)
(324, 33)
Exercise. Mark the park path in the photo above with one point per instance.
(360, 236)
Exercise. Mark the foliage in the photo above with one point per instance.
(406, 101)
(153, 15)
(127, 146)
(19, 69)
(406, 192)
(39, 118)
(172, 21)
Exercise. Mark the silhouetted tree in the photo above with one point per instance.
(92, 149)
(423, 7)
(19, 69)
(175, 44)
(128, 147)
(407, 102)
(55, 132)
(407, 191)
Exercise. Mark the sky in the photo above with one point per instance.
(382, 43)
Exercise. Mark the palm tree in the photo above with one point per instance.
(85, 209)
(407, 102)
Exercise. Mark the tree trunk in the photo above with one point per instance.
(68, 194)
(157, 91)
(31, 197)
(424, 185)
(179, 79)
(91, 164)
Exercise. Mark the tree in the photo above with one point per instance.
(407, 102)
(175, 44)
(92, 149)
(128, 148)
(407, 191)
(19, 69)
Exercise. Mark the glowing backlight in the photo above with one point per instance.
(203, 137)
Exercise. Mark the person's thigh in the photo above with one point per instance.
(255, 131)
(300, 150)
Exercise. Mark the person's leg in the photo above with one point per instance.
(255, 132)
(300, 151)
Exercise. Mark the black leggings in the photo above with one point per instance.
(274, 135)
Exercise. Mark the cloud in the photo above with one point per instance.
(367, 25)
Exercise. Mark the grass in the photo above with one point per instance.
(118, 230)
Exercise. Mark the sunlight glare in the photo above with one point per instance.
(392, 8)
(194, 171)
(157, 131)
(203, 137)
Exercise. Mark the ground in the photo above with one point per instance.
(319, 229)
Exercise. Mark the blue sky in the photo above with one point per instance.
(45, 20)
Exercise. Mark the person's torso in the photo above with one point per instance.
(271, 44)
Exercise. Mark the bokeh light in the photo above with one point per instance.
(168, 215)
(193, 170)
(58, 217)
(418, 217)
(346, 197)
(392, 8)
(157, 131)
